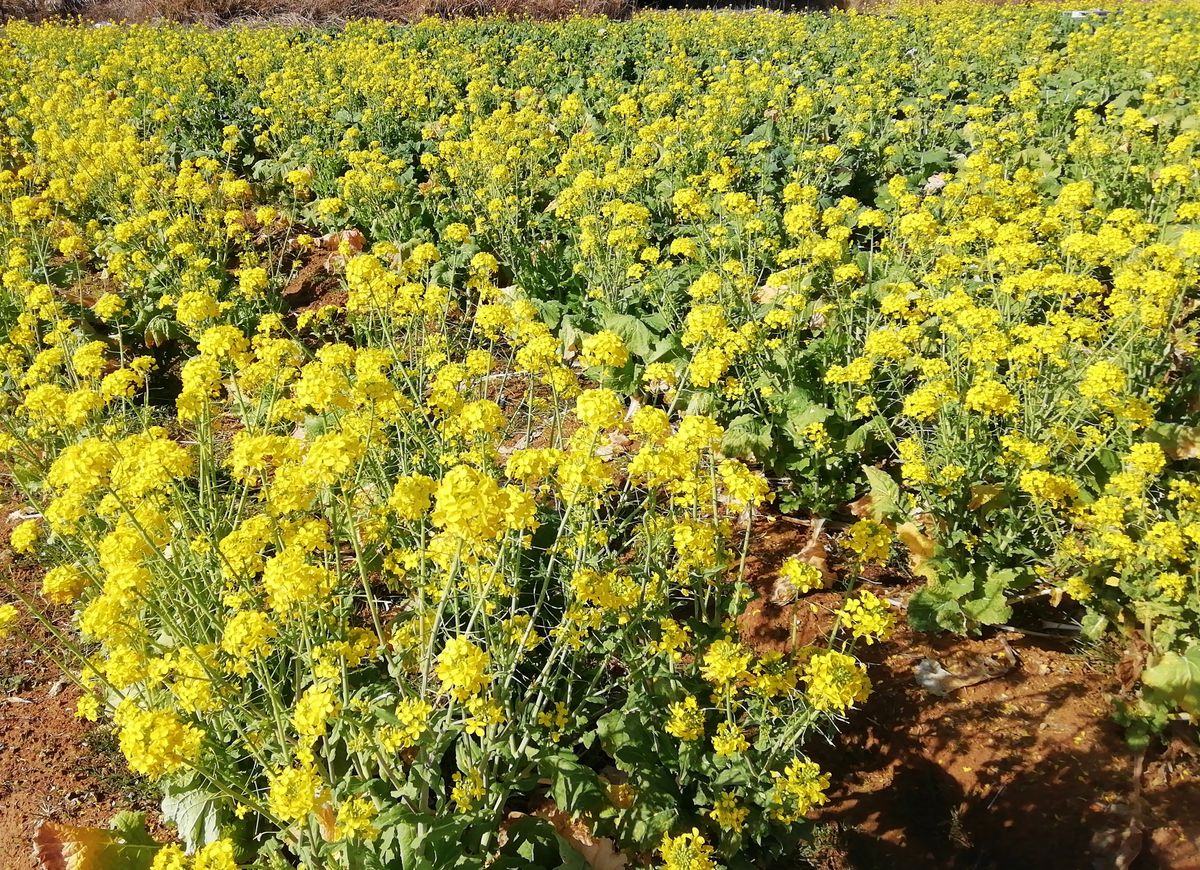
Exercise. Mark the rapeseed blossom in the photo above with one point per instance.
(493, 491)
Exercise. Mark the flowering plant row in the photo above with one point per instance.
(462, 541)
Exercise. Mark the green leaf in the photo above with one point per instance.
(646, 825)
(799, 410)
(886, 498)
(161, 330)
(858, 440)
(933, 609)
(570, 336)
(747, 437)
(668, 349)
(1174, 681)
(426, 840)
(991, 609)
(636, 335)
(575, 788)
(1093, 625)
(196, 813)
(531, 842)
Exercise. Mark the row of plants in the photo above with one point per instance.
(427, 560)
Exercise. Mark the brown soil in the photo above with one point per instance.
(52, 764)
(1026, 769)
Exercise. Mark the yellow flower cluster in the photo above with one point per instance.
(388, 402)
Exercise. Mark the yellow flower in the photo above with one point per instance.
(687, 719)
(217, 855)
(990, 398)
(462, 668)
(292, 584)
(1102, 381)
(599, 409)
(294, 793)
(729, 740)
(725, 662)
(155, 742)
(468, 505)
(355, 819)
(314, 710)
(728, 813)
(801, 575)
(9, 615)
(835, 681)
(467, 790)
(605, 348)
(868, 617)
(870, 541)
(800, 787)
(413, 716)
(25, 536)
(170, 857)
(63, 584)
(687, 852)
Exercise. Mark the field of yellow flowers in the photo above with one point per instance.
(364, 575)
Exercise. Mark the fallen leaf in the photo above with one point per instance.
(353, 239)
(920, 545)
(124, 846)
(982, 495)
(935, 678)
(863, 507)
(812, 553)
(327, 822)
(600, 853)
(1182, 442)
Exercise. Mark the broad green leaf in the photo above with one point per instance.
(858, 440)
(1175, 681)
(195, 813)
(1093, 625)
(574, 787)
(747, 437)
(637, 336)
(886, 498)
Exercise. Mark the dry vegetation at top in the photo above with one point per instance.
(300, 11)
(333, 12)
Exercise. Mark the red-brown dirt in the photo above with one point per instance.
(52, 764)
(1026, 769)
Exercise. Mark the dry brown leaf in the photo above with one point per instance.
(327, 822)
(1184, 443)
(353, 239)
(920, 545)
(618, 444)
(59, 847)
(982, 495)
(863, 507)
(813, 552)
(600, 853)
(767, 293)
(69, 847)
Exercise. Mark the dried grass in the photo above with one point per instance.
(303, 12)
